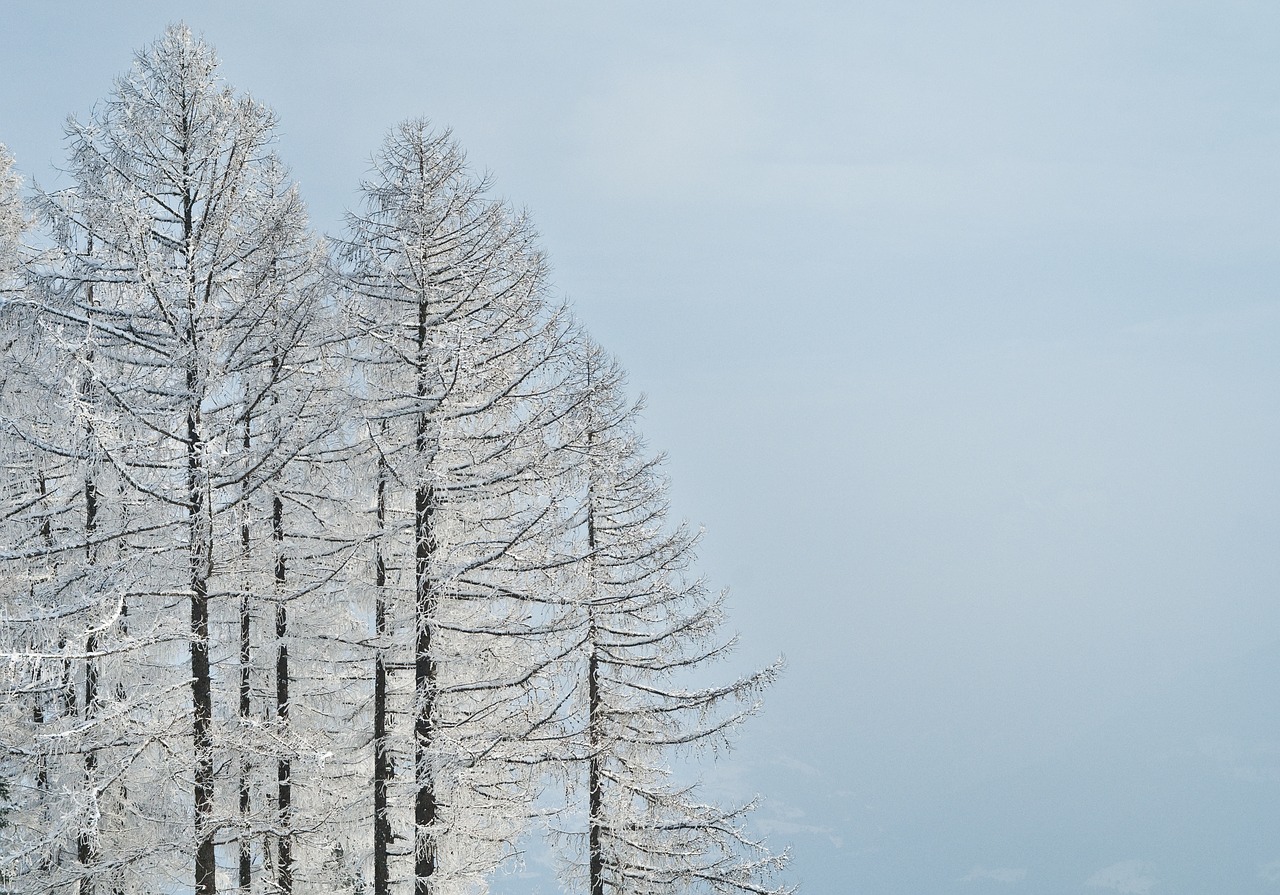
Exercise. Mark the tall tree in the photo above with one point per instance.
(47, 596)
(645, 626)
(289, 423)
(181, 291)
(24, 703)
(461, 361)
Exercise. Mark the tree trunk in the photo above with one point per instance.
(381, 758)
(86, 849)
(245, 864)
(200, 532)
(201, 685)
(424, 814)
(37, 708)
(593, 773)
(424, 675)
(117, 876)
(284, 869)
(594, 721)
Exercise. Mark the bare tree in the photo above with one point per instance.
(462, 364)
(645, 626)
(52, 590)
(178, 298)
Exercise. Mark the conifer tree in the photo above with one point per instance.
(461, 361)
(174, 309)
(49, 597)
(644, 628)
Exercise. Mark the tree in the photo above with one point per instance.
(643, 625)
(12, 224)
(43, 602)
(461, 367)
(182, 294)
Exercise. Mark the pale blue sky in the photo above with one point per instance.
(960, 325)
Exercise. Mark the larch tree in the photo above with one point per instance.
(645, 631)
(462, 367)
(176, 306)
(23, 705)
(50, 590)
(12, 224)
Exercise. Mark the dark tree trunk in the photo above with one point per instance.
(245, 868)
(284, 870)
(86, 851)
(424, 675)
(37, 708)
(593, 776)
(68, 681)
(201, 686)
(381, 758)
(424, 814)
(594, 720)
(37, 717)
(117, 877)
(200, 531)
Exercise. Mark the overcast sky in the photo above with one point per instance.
(959, 323)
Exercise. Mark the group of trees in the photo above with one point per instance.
(328, 565)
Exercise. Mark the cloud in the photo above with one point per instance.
(1128, 877)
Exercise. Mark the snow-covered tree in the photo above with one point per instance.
(176, 312)
(644, 628)
(43, 606)
(461, 369)
(19, 704)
